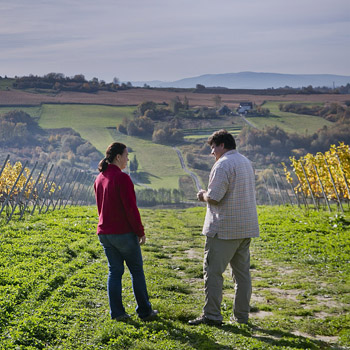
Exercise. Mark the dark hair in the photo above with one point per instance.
(222, 136)
(111, 152)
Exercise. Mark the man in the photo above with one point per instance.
(231, 221)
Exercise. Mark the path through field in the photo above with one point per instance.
(184, 167)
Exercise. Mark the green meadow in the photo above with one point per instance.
(6, 83)
(159, 165)
(53, 284)
(290, 122)
(32, 111)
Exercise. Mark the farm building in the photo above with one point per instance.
(244, 107)
(224, 110)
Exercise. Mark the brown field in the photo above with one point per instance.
(136, 96)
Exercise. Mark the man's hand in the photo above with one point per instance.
(200, 195)
(142, 240)
(203, 197)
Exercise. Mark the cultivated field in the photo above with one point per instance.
(137, 96)
(53, 284)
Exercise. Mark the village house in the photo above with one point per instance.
(244, 107)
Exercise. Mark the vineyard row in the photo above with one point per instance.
(312, 180)
(41, 188)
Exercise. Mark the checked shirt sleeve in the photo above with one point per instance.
(218, 183)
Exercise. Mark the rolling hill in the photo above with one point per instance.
(254, 80)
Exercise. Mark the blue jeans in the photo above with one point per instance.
(120, 248)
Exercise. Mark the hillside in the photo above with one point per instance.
(95, 117)
(53, 287)
(254, 80)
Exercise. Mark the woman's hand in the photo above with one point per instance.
(142, 240)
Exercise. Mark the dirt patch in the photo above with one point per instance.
(261, 314)
(323, 338)
(193, 254)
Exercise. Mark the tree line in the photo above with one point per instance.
(59, 82)
(273, 144)
(162, 122)
(151, 197)
(333, 112)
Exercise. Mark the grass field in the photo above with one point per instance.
(204, 133)
(6, 83)
(53, 284)
(290, 122)
(159, 165)
(32, 111)
(90, 121)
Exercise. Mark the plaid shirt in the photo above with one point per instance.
(232, 184)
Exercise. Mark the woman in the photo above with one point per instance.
(121, 232)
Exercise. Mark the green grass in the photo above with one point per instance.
(204, 133)
(32, 111)
(290, 122)
(90, 121)
(159, 165)
(6, 83)
(53, 284)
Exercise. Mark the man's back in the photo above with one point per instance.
(232, 184)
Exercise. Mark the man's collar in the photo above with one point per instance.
(231, 151)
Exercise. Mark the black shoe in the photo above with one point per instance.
(151, 317)
(122, 317)
(204, 320)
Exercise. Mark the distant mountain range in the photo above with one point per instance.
(253, 80)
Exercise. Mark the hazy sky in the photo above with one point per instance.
(173, 39)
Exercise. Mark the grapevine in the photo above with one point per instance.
(322, 174)
(11, 191)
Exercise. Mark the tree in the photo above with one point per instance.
(159, 136)
(186, 104)
(145, 125)
(116, 81)
(134, 164)
(79, 78)
(144, 106)
(217, 101)
(176, 105)
(200, 87)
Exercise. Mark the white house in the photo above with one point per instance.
(244, 107)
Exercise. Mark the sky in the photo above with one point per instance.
(145, 40)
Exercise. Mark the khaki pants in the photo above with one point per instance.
(217, 255)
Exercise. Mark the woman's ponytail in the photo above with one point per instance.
(111, 152)
(102, 165)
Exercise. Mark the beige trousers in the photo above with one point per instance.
(217, 255)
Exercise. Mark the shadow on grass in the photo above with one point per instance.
(195, 336)
(143, 177)
(286, 339)
(204, 337)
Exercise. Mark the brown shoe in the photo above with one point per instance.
(204, 320)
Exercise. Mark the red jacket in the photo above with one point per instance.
(116, 203)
